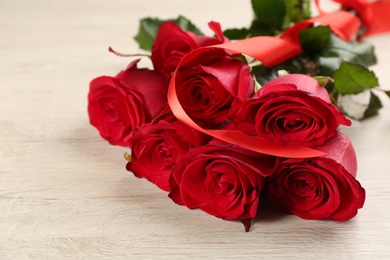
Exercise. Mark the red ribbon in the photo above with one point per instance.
(374, 15)
(381, 19)
(270, 51)
(343, 24)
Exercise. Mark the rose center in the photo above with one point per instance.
(225, 183)
(111, 114)
(305, 189)
(164, 155)
(200, 96)
(290, 124)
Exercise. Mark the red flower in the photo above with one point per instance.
(222, 180)
(118, 105)
(291, 110)
(156, 148)
(207, 86)
(172, 43)
(321, 187)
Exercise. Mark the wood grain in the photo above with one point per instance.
(64, 192)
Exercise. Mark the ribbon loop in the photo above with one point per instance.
(270, 51)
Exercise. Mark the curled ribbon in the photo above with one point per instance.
(283, 50)
(380, 22)
(270, 51)
(374, 14)
(343, 24)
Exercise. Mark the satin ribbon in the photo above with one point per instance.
(381, 19)
(343, 24)
(270, 51)
(374, 15)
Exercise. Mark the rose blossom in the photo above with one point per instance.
(320, 187)
(291, 110)
(172, 43)
(207, 85)
(222, 180)
(156, 148)
(118, 105)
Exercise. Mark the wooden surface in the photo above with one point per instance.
(64, 192)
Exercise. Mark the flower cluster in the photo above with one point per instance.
(201, 128)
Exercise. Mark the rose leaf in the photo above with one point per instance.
(269, 13)
(236, 34)
(187, 26)
(259, 28)
(314, 40)
(272, 17)
(147, 31)
(356, 52)
(353, 78)
(328, 65)
(374, 106)
(148, 28)
(323, 80)
(264, 74)
(296, 10)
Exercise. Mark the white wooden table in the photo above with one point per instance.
(64, 192)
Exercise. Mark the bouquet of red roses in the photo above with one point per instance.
(223, 121)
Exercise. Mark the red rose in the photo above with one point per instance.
(320, 187)
(222, 180)
(156, 148)
(172, 43)
(292, 110)
(118, 105)
(208, 84)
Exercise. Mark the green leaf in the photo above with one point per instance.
(147, 31)
(328, 65)
(314, 40)
(356, 52)
(186, 25)
(237, 34)
(274, 16)
(296, 11)
(353, 78)
(320, 43)
(257, 85)
(374, 106)
(259, 28)
(264, 74)
(296, 65)
(269, 12)
(323, 80)
(148, 28)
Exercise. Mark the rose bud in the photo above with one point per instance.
(222, 180)
(172, 43)
(118, 105)
(156, 148)
(320, 187)
(290, 110)
(207, 86)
